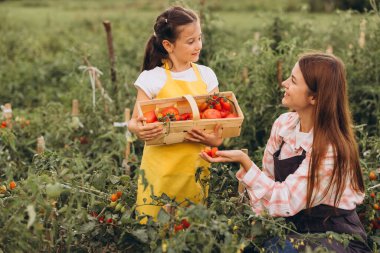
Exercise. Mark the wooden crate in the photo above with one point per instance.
(175, 131)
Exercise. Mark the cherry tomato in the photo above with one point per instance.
(178, 227)
(185, 223)
(226, 105)
(12, 185)
(114, 197)
(372, 175)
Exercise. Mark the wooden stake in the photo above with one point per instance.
(127, 117)
(111, 54)
(75, 108)
(279, 73)
(329, 49)
(241, 187)
(8, 115)
(245, 75)
(40, 145)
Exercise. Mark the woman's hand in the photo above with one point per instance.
(223, 156)
(147, 132)
(210, 139)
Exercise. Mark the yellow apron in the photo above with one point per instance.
(170, 169)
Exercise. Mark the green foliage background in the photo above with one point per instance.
(42, 45)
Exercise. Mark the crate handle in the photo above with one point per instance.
(194, 106)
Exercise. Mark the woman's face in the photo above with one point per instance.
(297, 94)
(188, 45)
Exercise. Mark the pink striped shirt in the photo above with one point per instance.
(289, 197)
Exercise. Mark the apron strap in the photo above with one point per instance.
(196, 71)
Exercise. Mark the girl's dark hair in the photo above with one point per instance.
(165, 28)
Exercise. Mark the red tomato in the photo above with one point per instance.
(186, 116)
(203, 106)
(231, 115)
(150, 116)
(372, 175)
(114, 197)
(12, 185)
(372, 195)
(185, 223)
(224, 113)
(213, 152)
(225, 104)
(218, 106)
(119, 193)
(171, 110)
(3, 124)
(211, 114)
(178, 227)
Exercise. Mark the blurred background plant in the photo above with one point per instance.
(64, 197)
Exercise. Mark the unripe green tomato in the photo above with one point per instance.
(123, 209)
(113, 204)
(53, 190)
(118, 207)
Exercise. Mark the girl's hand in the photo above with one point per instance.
(224, 156)
(147, 132)
(210, 139)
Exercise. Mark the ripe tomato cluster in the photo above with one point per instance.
(167, 114)
(113, 212)
(216, 107)
(184, 224)
(211, 151)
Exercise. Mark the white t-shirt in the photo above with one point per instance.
(152, 81)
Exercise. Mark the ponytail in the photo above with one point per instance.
(165, 28)
(154, 54)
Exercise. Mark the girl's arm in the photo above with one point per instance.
(135, 125)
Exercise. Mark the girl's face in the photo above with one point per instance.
(188, 45)
(297, 94)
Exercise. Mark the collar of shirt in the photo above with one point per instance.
(289, 131)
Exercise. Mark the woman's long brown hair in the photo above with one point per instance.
(325, 75)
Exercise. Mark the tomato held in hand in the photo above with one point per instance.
(150, 117)
(211, 151)
(211, 114)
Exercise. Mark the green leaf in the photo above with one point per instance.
(114, 179)
(163, 217)
(87, 227)
(141, 235)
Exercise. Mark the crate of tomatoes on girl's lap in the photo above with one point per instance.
(180, 114)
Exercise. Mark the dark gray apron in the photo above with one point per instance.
(321, 218)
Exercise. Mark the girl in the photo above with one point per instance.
(169, 71)
(311, 172)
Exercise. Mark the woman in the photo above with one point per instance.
(311, 172)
